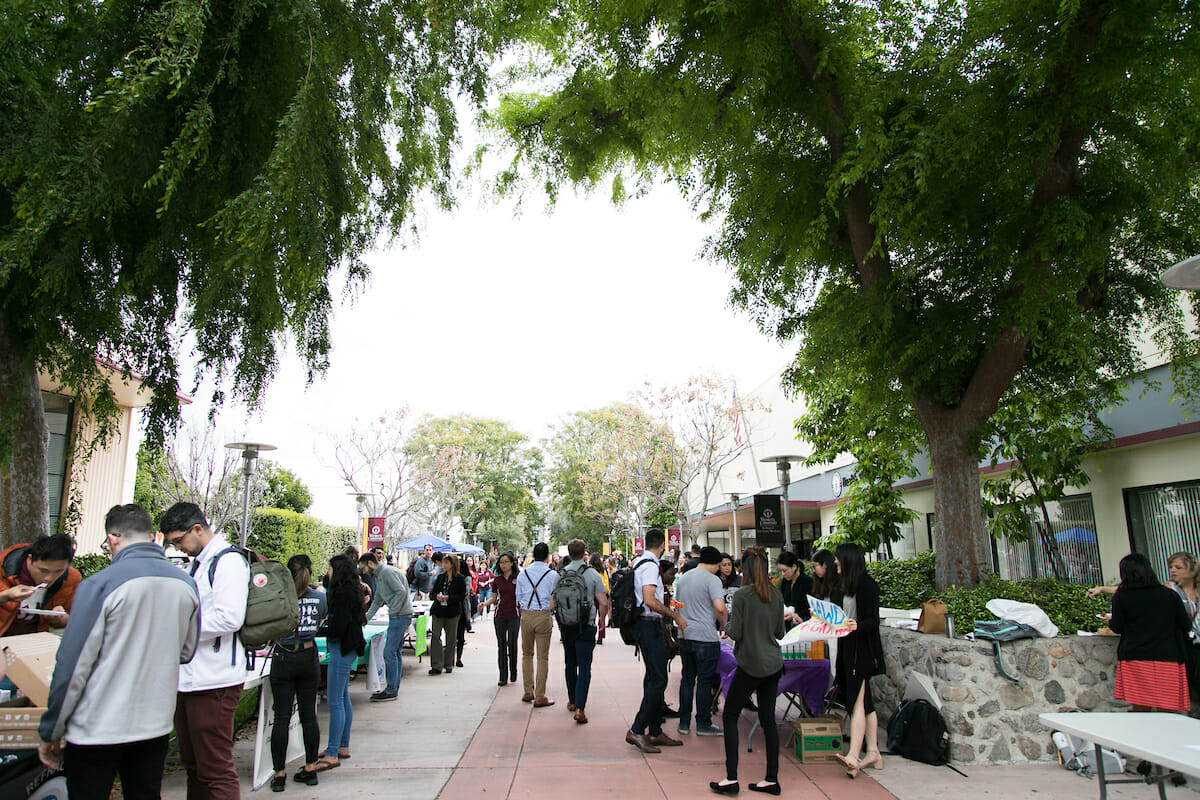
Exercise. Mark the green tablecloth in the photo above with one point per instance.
(370, 631)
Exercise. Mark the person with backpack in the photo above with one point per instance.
(578, 598)
(647, 734)
(211, 684)
(860, 656)
(535, 586)
(295, 676)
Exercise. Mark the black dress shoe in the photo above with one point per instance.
(727, 789)
(502, 683)
(670, 713)
(435, 671)
(770, 788)
(278, 783)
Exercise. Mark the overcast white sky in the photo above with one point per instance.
(525, 319)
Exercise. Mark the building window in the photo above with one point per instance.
(58, 452)
(1164, 520)
(1073, 526)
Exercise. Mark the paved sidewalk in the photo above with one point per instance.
(460, 736)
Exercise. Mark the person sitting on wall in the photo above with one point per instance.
(37, 576)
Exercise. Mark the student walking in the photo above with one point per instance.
(507, 617)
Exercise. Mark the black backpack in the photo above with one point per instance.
(625, 608)
(918, 731)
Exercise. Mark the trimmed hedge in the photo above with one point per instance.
(279, 534)
(909, 582)
(90, 563)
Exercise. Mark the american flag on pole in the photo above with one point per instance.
(737, 420)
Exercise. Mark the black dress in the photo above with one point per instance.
(860, 654)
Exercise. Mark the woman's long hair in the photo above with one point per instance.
(854, 566)
(755, 573)
(450, 567)
(823, 587)
(301, 568)
(344, 574)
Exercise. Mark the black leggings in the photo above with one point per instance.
(508, 630)
(740, 689)
(294, 678)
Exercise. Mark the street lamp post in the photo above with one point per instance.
(250, 451)
(1184, 275)
(735, 535)
(783, 468)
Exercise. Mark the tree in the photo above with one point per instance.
(702, 415)
(200, 171)
(1046, 442)
(285, 486)
(371, 458)
(197, 469)
(610, 467)
(470, 470)
(939, 201)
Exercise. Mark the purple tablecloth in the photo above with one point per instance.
(809, 678)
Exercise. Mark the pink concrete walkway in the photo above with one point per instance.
(519, 751)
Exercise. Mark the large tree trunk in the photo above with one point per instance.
(960, 538)
(24, 492)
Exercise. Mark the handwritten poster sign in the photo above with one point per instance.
(830, 615)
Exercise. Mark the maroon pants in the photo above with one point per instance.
(204, 725)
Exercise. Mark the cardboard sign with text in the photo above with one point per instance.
(828, 614)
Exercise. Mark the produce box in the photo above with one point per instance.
(818, 739)
(30, 663)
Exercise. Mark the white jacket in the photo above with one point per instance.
(220, 659)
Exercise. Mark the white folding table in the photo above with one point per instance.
(1171, 742)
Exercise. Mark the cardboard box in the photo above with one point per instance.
(818, 739)
(18, 739)
(30, 659)
(20, 714)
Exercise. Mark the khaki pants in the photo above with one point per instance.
(536, 629)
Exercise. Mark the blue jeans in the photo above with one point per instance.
(653, 644)
(578, 647)
(393, 641)
(337, 695)
(699, 669)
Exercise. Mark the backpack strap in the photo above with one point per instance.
(1000, 663)
(212, 572)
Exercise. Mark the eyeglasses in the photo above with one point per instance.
(174, 541)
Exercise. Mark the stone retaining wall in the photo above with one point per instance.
(991, 719)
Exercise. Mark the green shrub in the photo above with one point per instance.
(279, 534)
(90, 563)
(907, 583)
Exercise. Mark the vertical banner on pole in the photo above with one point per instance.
(362, 535)
(375, 531)
(768, 520)
(637, 544)
(674, 538)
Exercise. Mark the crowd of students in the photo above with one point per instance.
(192, 661)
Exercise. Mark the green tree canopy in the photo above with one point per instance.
(941, 201)
(203, 168)
(285, 489)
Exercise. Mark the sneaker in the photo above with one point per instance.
(384, 696)
(306, 776)
(684, 729)
(709, 730)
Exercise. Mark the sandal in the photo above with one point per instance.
(343, 756)
(325, 763)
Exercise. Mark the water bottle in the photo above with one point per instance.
(949, 626)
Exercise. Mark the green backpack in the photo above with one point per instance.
(272, 609)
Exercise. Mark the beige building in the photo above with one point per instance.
(104, 479)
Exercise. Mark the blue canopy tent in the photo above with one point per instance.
(419, 542)
(1076, 536)
(441, 545)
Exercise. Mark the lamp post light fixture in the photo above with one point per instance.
(250, 451)
(783, 471)
(735, 535)
(1184, 275)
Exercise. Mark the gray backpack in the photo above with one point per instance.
(571, 601)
